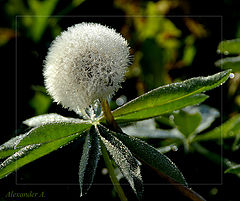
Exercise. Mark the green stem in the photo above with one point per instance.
(112, 124)
(108, 116)
(216, 158)
(112, 175)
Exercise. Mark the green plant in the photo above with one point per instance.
(103, 131)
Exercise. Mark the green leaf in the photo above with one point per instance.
(68, 8)
(229, 63)
(51, 118)
(42, 10)
(151, 156)
(168, 98)
(152, 133)
(76, 3)
(8, 148)
(208, 115)
(42, 134)
(51, 132)
(4, 153)
(122, 116)
(186, 122)
(236, 143)
(89, 161)
(147, 129)
(234, 170)
(229, 46)
(189, 51)
(30, 153)
(40, 103)
(123, 158)
(229, 129)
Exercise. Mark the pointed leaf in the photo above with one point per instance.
(8, 148)
(151, 156)
(155, 111)
(42, 134)
(168, 98)
(234, 170)
(229, 63)
(142, 129)
(236, 143)
(89, 161)
(32, 152)
(229, 129)
(41, 10)
(51, 132)
(229, 46)
(49, 119)
(123, 158)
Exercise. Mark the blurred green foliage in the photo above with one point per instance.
(40, 101)
(187, 123)
(231, 47)
(166, 48)
(161, 45)
(188, 129)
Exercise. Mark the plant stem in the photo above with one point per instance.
(216, 158)
(186, 191)
(109, 117)
(113, 124)
(112, 175)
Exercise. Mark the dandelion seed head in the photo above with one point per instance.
(85, 63)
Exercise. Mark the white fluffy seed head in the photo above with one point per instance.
(85, 63)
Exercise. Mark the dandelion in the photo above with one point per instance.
(86, 63)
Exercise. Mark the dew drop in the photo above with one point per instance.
(214, 191)
(226, 53)
(228, 163)
(218, 51)
(231, 75)
(104, 171)
(171, 117)
(231, 133)
(121, 100)
(174, 148)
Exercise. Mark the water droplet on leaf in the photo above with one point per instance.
(171, 117)
(174, 148)
(231, 75)
(226, 53)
